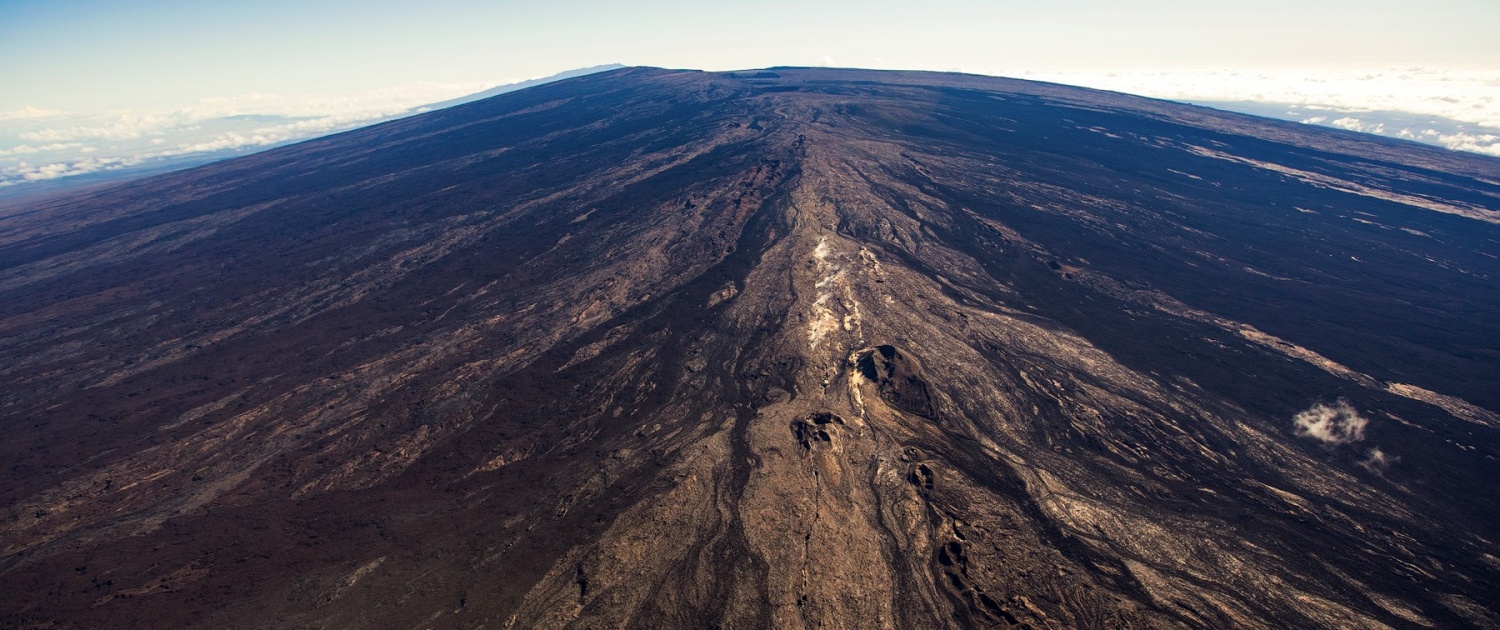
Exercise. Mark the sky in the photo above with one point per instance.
(78, 75)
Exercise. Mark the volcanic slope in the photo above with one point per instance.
(787, 348)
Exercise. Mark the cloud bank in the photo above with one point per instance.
(29, 113)
(1462, 107)
(39, 145)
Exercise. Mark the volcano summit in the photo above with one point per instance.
(786, 348)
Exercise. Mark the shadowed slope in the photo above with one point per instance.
(788, 348)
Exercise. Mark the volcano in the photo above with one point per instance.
(784, 348)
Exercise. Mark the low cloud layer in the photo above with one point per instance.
(30, 113)
(1456, 109)
(1337, 423)
(39, 145)
(1443, 132)
(1471, 96)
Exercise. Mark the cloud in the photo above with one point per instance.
(271, 134)
(1355, 124)
(1488, 143)
(26, 149)
(80, 143)
(1453, 135)
(1338, 423)
(30, 113)
(126, 128)
(1462, 106)
(26, 172)
(1377, 460)
(1471, 96)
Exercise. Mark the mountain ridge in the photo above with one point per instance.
(785, 348)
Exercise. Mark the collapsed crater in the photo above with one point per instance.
(899, 379)
(814, 428)
(921, 477)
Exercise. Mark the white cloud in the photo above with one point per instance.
(1471, 96)
(1377, 460)
(1456, 139)
(1478, 143)
(75, 144)
(30, 113)
(1355, 124)
(336, 108)
(26, 149)
(1466, 101)
(26, 172)
(273, 134)
(1338, 423)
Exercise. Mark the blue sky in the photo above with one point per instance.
(71, 54)
(90, 72)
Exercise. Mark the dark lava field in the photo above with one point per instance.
(790, 348)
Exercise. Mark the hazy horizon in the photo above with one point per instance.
(95, 86)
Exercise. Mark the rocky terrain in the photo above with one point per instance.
(787, 348)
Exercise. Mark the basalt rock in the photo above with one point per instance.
(789, 348)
